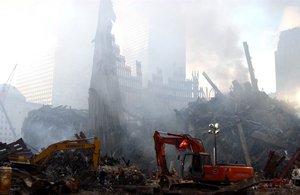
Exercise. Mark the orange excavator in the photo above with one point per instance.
(195, 163)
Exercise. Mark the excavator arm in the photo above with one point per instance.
(180, 141)
(42, 159)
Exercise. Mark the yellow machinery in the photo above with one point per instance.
(42, 158)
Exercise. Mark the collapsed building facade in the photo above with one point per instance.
(104, 92)
(157, 95)
(117, 94)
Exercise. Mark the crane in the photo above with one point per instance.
(6, 87)
(4, 92)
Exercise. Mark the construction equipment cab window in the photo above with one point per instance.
(192, 166)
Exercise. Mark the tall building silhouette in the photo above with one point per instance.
(35, 81)
(287, 63)
(60, 75)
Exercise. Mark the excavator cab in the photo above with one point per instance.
(193, 165)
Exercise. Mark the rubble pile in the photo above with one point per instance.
(251, 122)
(68, 164)
(24, 182)
(112, 171)
(55, 123)
(12, 150)
(68, 170)
(65, 172)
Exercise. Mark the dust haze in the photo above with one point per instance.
(212, 33)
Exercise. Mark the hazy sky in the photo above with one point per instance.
(215, 32)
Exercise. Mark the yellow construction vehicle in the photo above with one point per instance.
(40, 160)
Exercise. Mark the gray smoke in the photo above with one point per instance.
(214, 44)
(214, 32)
(212, 41)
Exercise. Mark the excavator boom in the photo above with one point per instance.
(42, 158)
(180, 141)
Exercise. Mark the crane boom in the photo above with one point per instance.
(8, 121)
(5, 90)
